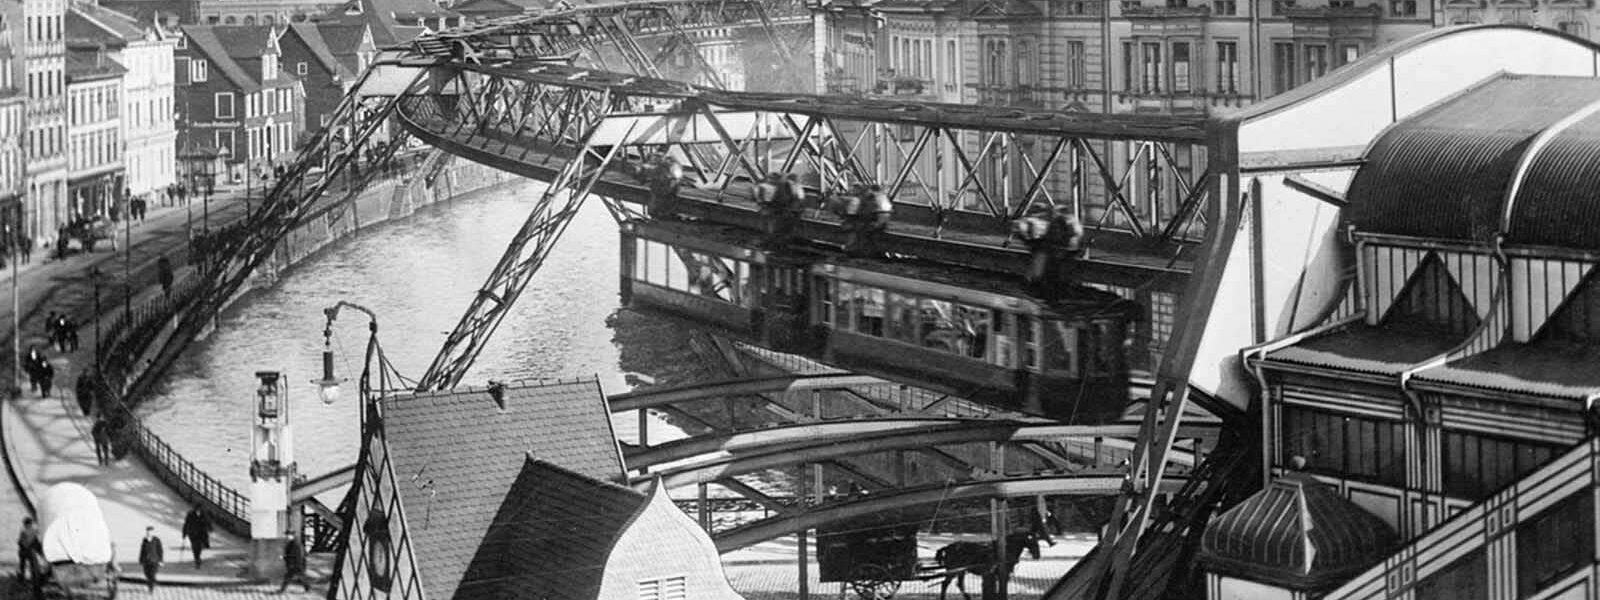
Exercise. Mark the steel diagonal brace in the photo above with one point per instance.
(522, 258)
(1148, 468)
(284, 208)
(1039, 175)
(909, 160)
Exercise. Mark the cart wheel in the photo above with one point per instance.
(873, 582)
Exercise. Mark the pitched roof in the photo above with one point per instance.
(462, 453)
(90, 65)
(167, 12)
(313, 36)
(1380, 350)
(384, 16)
(210, 41)
(552, 536)
(1298, 532)
(90, 23)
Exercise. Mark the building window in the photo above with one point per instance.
(1348, 53)
(1077, 69)
(1228, 67)
(1225, 8)
(995, 72)
(1283, 78)
(951, 76)
(224, 105)
(1180, 66)
(1555, 543)
(300, 68)
(1129, 69)
(1476, 465)
(1025, 63)
(1403, 8)
(197, 70)
(225, 140)
(1345, 446)
(183, 42)
(1316, 61)
(1150, 80)
(1465, 579)
(668, 588)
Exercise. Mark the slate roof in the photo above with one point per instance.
(90, 65)
(167, 12)
(1384, 351)
(216, 43)
(1297, 533)
(312, 35)
(457, 454)
(345, 43)
(1446, 172)
(90, 23)
(382, 15)
(552, 536)
(1550, 368)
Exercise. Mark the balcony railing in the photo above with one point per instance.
(1022, 96)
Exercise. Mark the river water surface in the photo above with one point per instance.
(417, 275)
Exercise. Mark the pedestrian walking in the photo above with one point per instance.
(86, 393)
(69, 331)
(29, 551)
(51, 327)
(151, 556)
(164, 274)
(197, 529)
(33, 366)
(102, 442)
(294, 563)
(47, 376)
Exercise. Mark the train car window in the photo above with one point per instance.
(847, 307)
(641, 254)
(869, 321)
(825, 298)
(741, 286)
(1061, 351)
(973, 322)
(903, 312)
(656, 270)
(1030, 342)
(1004, 351)
(677, 273)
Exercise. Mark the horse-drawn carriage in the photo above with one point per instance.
(872, 556)
(77, 558)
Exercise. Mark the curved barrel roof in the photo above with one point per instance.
(1447, 172)
(1559, 202)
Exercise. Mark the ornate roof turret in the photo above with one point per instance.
(1298, 533)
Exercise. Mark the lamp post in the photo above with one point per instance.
(127, 262)
(14, 239)
(272, 471)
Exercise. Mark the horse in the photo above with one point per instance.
(960, 558)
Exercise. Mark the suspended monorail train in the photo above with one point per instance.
(970, 333)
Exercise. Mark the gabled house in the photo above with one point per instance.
(235, 97)
(13, 129)
(393, 22)
(512, 492)
(327, 58)
(149, 134)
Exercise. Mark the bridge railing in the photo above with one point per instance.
(122, 342)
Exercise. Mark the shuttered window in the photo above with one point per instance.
(668, 588)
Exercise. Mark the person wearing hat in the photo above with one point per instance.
(1063, 244)
(151, 556)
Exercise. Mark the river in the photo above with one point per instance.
(417, 275)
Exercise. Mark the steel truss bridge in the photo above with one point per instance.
(510, 93)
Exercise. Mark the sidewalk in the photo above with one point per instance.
(47, 439)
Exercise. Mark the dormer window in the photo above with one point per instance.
(183, 42)
(269, 67)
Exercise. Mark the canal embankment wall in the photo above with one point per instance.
(136, 337)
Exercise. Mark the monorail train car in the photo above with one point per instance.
(78, 557)
(974, 334)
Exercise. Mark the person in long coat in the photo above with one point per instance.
(151, 556)
(197, 529)
(294, 563)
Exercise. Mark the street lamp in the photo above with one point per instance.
(328, 386)
(94, 277)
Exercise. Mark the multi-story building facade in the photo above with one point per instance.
(327, 58)
(148, 130)
(45, 209)
(13, 110)
(235, 97)
(95, 177)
